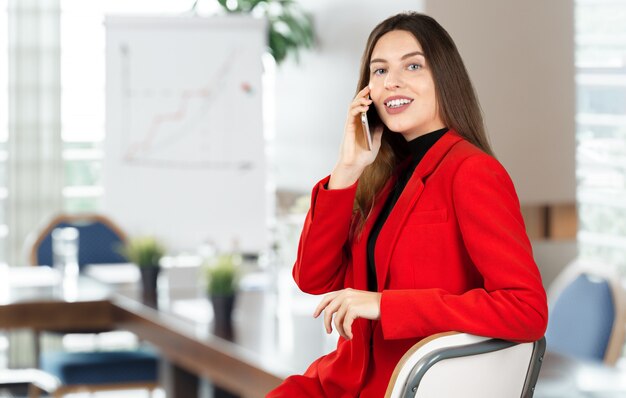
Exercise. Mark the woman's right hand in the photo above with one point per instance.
(354, 156)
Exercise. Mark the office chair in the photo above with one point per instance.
(586, 314)
(99, 371)
(99, 239)
(456, 364)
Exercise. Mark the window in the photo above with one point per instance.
(4, 122)
(601, 129)
(82, 103)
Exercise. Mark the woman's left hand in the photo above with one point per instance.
(348, 305)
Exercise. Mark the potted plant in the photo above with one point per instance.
(222, 281)
(290, 28)
(146, 252)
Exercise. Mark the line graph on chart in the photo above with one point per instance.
(174, 127)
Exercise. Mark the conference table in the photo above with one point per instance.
(272, 338)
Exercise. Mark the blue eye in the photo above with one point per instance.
(415, 67)
(378, 71)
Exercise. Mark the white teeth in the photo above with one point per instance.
(398, 102)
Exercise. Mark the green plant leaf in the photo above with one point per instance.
(254, 3)
(222, 276)
(290, 28)
(278, 46)
(300, 27)
(145, 251)
(251, 4)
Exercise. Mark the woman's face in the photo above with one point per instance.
(402, 87)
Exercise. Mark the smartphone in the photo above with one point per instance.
(366, 131)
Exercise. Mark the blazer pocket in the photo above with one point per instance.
(427, 217)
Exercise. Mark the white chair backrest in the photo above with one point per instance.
(462, 365)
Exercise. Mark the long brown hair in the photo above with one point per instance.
(456, 99)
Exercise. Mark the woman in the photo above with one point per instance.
(419, 235)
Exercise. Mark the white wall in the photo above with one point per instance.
(519, 55)
(552, 256)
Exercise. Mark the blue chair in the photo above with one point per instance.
(99, 240)
(587, 315)
(101, 370)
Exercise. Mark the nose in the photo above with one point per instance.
(392, 81)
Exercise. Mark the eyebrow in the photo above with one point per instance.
(405, 56)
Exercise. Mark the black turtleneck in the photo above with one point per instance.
(417, 149)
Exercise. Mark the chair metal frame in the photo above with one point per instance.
(449, 345)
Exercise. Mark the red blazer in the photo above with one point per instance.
(452, 255)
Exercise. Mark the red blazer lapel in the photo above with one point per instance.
(393, 225)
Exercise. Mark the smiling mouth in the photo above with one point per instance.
(397, 103)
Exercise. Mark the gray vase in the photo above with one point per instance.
(223, 315)
(149, 293)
